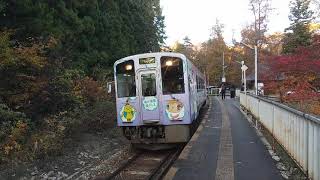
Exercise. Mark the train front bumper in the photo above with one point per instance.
(157, 134)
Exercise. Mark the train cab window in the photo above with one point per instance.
(125, 74)
(148, 82)
(172, 75)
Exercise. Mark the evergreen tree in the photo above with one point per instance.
(2, 5)
(187, 42)
(159, 23)
(298, 33)
(90, 34)
(44, 43)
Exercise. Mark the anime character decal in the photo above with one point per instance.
(175, 109)
(128, 113)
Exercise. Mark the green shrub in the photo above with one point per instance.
(100, 115)
(71, 104)
(14, 129)
(57, 96)
(8, 120)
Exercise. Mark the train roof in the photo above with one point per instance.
(155, 54)
(150, 55)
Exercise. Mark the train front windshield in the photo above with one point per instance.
(126, 85)
(172, 75)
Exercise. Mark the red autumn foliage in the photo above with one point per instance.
(89, 90)
(297, 73)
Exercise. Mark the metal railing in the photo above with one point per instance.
(238, 92)
(216, 92)
(213, 91)
(297, 132)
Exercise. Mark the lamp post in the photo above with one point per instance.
(244, 68)
(242, 76)
(256, 69)
(255, 48)
(223, 71)
(242, 62)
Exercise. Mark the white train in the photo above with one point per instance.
(158, 97)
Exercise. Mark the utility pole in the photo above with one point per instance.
(223, 75)
(256, 69)
(208, 79)
(255, 48)
(242, 74)
(223, 67)
(244, 68)
(206, 73)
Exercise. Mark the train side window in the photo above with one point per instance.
(126, 84)
(200, 84)
(172, 75)
(197, 83)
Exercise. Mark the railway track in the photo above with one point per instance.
(149, 165)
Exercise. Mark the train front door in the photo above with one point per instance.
(149, 97)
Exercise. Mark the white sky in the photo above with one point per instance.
(194, 18)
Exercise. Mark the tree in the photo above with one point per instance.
(54, 58)
(299, 72)
(248, 36)
(159, 23)
(2, 6)
(43, 41)
(187, 42)
(210, 54)
(189, 48)
(217, 31)
(186, 48)
(317, 5)
(260, 10)
(90, 34)
(298, 34)
(274, 44)
(208, 57)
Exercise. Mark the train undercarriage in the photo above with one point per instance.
(157, 134)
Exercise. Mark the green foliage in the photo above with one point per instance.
(8, 119)
(212, 53)
(99, 116)
(81, 105)
(208, 58)
(298, 34)
(89, 91)
(90, 33)
(5, 51)
(14, 127)
(55, 57)
(20, 70)
(299, 37)
(60, 96)
(300, 11)
(2, 5)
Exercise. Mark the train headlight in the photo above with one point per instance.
(128, 67)
(169, 63)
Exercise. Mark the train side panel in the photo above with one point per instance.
(197, 97)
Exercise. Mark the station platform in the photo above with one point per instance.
(224, 147)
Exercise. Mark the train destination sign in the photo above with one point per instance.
(149, 60)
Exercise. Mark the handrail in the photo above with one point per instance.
(296, 131)
(290, 109)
